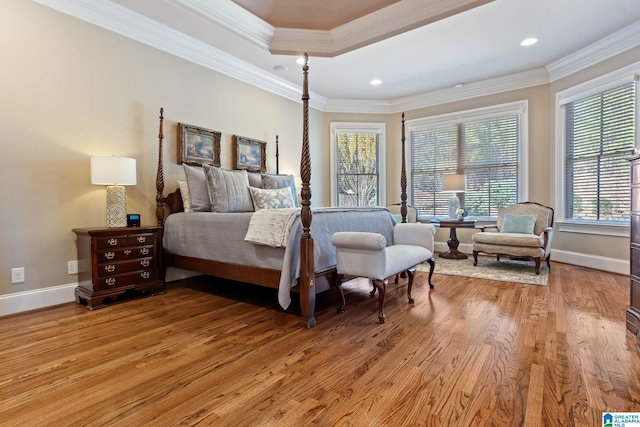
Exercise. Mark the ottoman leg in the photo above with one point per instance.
(381, 285)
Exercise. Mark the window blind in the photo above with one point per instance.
(600, 132)
(490, 161)
(486, 151)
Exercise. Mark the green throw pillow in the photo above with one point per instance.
(523, 224)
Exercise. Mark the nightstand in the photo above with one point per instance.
(115, 261)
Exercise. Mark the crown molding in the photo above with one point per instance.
(130, 24)
(510, 82)
(233, 17)
(113, 17)
(621, 41)
(379, 25)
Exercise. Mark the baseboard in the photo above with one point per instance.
(611, 265)
(54, 295)
(37, 298)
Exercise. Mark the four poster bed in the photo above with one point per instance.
(218, 244)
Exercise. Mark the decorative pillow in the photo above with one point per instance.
(255, 179)
(184, 192)
(277, 198)
(228, 190)
(518, 223)
(198, 191)
(280, 181)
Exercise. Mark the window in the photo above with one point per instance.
(595, 134)
(484, 145)
(357, 153)
(599, 134)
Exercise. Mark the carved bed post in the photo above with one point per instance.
(160, 176)
(403, 180)
(307, 261)
(277, 157)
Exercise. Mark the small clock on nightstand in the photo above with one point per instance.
(113, 261)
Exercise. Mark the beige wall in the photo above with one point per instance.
(70, 90)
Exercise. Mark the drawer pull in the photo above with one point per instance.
(144, 251)
(145, 263)
(110, 255)
(112, 241)
(145, 274)
(142, 239)
(111, 281)
(127, 252)
(110, 268)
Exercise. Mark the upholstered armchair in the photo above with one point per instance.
(523, 231)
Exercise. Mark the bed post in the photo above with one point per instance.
(403, 180)
(160, 176)
(307, 261)
(277, 157)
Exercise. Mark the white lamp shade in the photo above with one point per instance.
(113, 171)
(454, 182)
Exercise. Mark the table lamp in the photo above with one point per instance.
(456, 183)
(114, 172)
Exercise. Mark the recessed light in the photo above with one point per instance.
(376, 82)
(279, 68)
(529, 41)
(458, 85)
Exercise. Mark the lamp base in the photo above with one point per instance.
(116, 206)
(454, 205)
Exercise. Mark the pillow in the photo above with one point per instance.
(277, 198)
(518, 223)
(255, 179)
(280, 181)
(198, 191)
(184, 192)
(228, 190)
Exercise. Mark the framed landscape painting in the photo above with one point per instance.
(249, 154)
(198, 146)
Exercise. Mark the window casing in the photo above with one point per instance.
(595, 134)
(357, 157)
(484, 144)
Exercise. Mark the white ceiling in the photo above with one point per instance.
(478, 47)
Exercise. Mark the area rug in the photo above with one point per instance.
(504, 270)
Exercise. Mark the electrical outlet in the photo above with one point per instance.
(17, 275)
(72, 267)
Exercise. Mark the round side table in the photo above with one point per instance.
(453, 242)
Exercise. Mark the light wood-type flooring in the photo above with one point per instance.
(470, 352)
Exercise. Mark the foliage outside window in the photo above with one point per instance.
(599, 135)
(356, 168)
(486, 150)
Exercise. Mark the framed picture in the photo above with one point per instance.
(198, 146)
(249, 154)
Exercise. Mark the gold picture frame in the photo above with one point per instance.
(198, 146)
(249, 154)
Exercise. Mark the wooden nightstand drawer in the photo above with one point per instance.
(112, 242)
(127, 279)
(140, 239)
(125, 253)
(112, 268)
(118, 260)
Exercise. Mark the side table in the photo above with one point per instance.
(114, 261)
(453, 242)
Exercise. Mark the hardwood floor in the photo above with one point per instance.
(470, 352)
